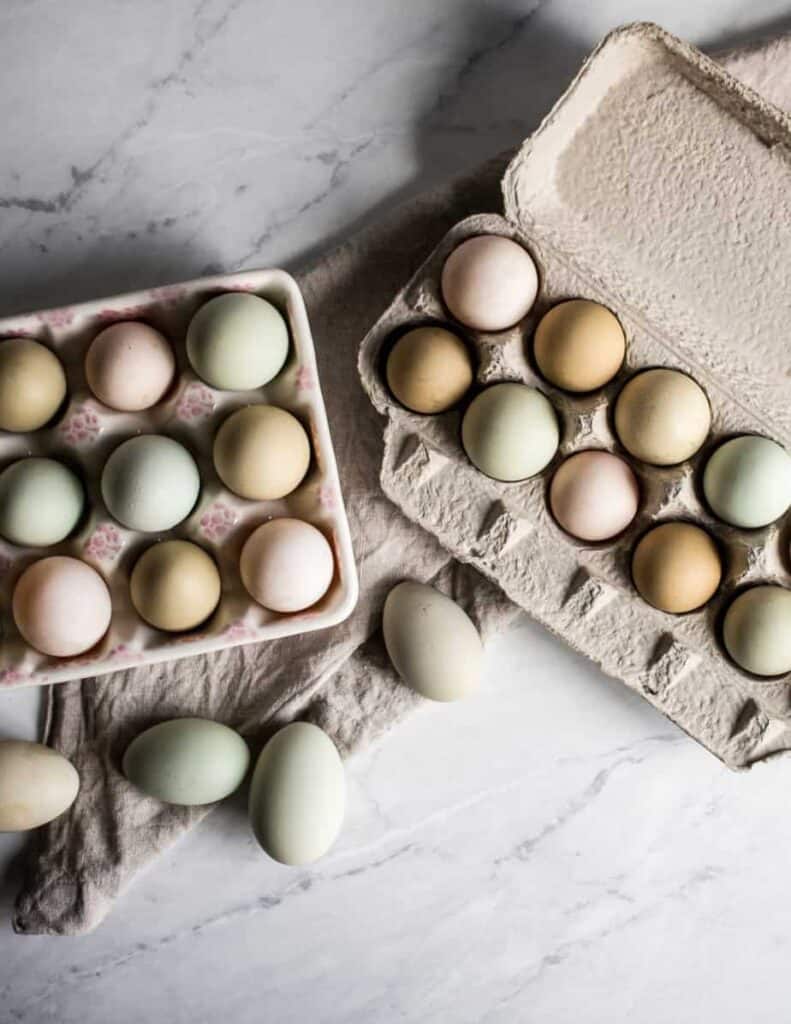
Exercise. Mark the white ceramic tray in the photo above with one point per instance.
(659, 186)
(85, 432)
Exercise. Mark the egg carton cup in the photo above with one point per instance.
(660, 187)
(85, 432)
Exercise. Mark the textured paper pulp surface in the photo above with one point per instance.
(639, 191)
(84, 434)
(339, 678)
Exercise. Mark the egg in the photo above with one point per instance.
(747, 481)
(129, 366)
(175, 585)
(61, 606)
(237, 342)
(431, 641)
(37, 784)
(489, 283)
(676, 567)
(662, 416)
(261, 452)
(298, 795)
(429, 369)
(150, 483)
(594, 495)
(287, 565)
(32, 385)
(757, 630)
(579, 345)
(510, 431)
(41, 502)
(187, 761)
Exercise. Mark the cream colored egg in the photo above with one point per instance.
(432, 642)
(261, 452)
(175, 585)
(37, 784)
(662, 416)
(298, 795)
(32, 385)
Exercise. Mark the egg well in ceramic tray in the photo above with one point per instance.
(661, 188)
(85, 432)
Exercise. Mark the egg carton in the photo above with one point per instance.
(660, 187)
(85, 432)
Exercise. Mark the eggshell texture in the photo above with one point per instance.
(510, 431)
(429, 369)
(237, 342)
(287, 565)
(662, 416)
(432, 643)
(489, 282)
(298, 795)
(579, 345)
(594, 495)
(188, 761)
(41, 502)
(32, 385)
(747, 481)
(175, 585)
(150, 483)
(36, 785)
(61, 606)
(757, 630)
(676, 567)
(129, 366)
(261, 452)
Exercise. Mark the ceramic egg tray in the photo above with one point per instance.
(660, 187)
(85, 432)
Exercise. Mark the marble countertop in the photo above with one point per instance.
(494, 867)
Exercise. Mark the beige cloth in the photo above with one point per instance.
(338, 678)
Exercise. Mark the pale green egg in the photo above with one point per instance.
(757, 630)
(747, 481)
(41, 502)
(150, 483)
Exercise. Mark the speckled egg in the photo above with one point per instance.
(41, 502)
(757, 630)
(37, 784)
(662, 416)
(175, 585)
(510, 431)
(129, 366)
(61, 606)
(237, 341)
(747, 481)
(594, 495)
(489, 283)
(261, 452)
(32, 385)
(150, 483)
(287, 565)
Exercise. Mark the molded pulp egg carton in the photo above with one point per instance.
(85, 432)
(660, 187)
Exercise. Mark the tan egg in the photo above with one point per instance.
(175, 585)
(676, 567)
(32, 385)
(579, 345)
(261, 452)
(662, 416)
(429, 369)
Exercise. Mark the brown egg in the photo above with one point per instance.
(676, 567)
(261, 452)
(429, 369)
(32, 385)
(579, 345)
(175, 585)
(662, 416)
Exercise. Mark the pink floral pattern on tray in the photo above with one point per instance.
(305, 379)
(239, 630)
(81, 426)
(15, 677)
(126, 652)
(328, 497)
(217, 521)
(104, 543)
(111, 316)
(56, 317)
(196, 403)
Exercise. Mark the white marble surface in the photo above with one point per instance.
(495, 866)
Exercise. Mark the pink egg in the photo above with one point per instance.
(594, 495)
(129, 366)
(61, 606)
(287, 565)
(489, 282)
